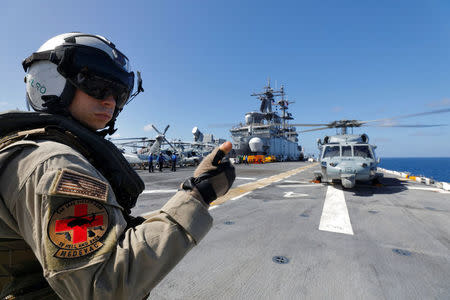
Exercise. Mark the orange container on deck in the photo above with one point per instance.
(255, 159)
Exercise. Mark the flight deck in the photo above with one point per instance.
(277, 235)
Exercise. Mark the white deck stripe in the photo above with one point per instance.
(300, 182)
(246, 178)
(428, 189)
(294, 195)
(335, 216)
(298, 185)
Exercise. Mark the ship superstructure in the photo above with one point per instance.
(266, 132)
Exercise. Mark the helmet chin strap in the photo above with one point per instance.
(108, 130)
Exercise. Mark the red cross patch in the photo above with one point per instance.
(77, 228)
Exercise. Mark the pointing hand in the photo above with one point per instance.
(213, 177)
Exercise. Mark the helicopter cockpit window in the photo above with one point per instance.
(362, 151)
(347, 151)
(331, 151)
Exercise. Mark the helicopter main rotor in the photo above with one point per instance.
(385, 122)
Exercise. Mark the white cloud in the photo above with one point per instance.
(3, 103)
(148, 127)
(442, 103)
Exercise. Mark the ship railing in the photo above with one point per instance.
(254, 125)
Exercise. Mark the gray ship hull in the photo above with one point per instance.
(282, 148)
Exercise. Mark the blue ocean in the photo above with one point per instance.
(437, 168)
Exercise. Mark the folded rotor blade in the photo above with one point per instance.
(153, 126)
(174, 149)
(165, 130)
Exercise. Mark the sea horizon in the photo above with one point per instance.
(436, 168)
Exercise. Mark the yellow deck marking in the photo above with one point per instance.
(245, 188)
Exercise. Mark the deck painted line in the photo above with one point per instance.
(240, 196)
(335, 216)
(159, 191)
(246, 178)
(299, 182)
(297, 185)
(437, 190)
(294, 195)
(251, 186)
(428, 189)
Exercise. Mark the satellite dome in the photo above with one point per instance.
(256, 144)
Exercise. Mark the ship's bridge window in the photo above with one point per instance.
(362, 151)
(347, 151)
(331, 151)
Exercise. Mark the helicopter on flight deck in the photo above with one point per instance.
(348, 157)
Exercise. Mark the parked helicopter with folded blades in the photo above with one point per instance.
(188, 153)
(348, 157)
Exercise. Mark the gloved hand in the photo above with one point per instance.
(213, 177)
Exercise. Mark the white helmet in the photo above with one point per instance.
(69, 61)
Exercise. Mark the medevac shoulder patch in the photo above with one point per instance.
(77, 228)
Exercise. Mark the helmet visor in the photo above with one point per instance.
(97, 42)
(95, 73)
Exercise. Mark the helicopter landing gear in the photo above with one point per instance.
(317, 177)
(348, 181)
(376, 181)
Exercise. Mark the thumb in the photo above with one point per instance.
(226, 147)
(223, 150)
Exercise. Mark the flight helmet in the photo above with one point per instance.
(74, 60)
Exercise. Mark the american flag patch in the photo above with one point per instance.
(76, 184)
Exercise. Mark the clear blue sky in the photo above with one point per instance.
(201, 60)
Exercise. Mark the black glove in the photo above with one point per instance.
(212, 178)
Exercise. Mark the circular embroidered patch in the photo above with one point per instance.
(76, 228)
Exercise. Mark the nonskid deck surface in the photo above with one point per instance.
(279, 236)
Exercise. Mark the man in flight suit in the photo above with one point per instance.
(66, 192)
(160, 162)
(150, 163)
(174, 162)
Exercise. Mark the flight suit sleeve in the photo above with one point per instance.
(67, 212)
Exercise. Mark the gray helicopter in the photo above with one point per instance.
(348, 157)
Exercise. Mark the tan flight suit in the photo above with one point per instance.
(65, 210)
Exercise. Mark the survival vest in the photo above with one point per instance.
(21, 271)
(101, 153)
